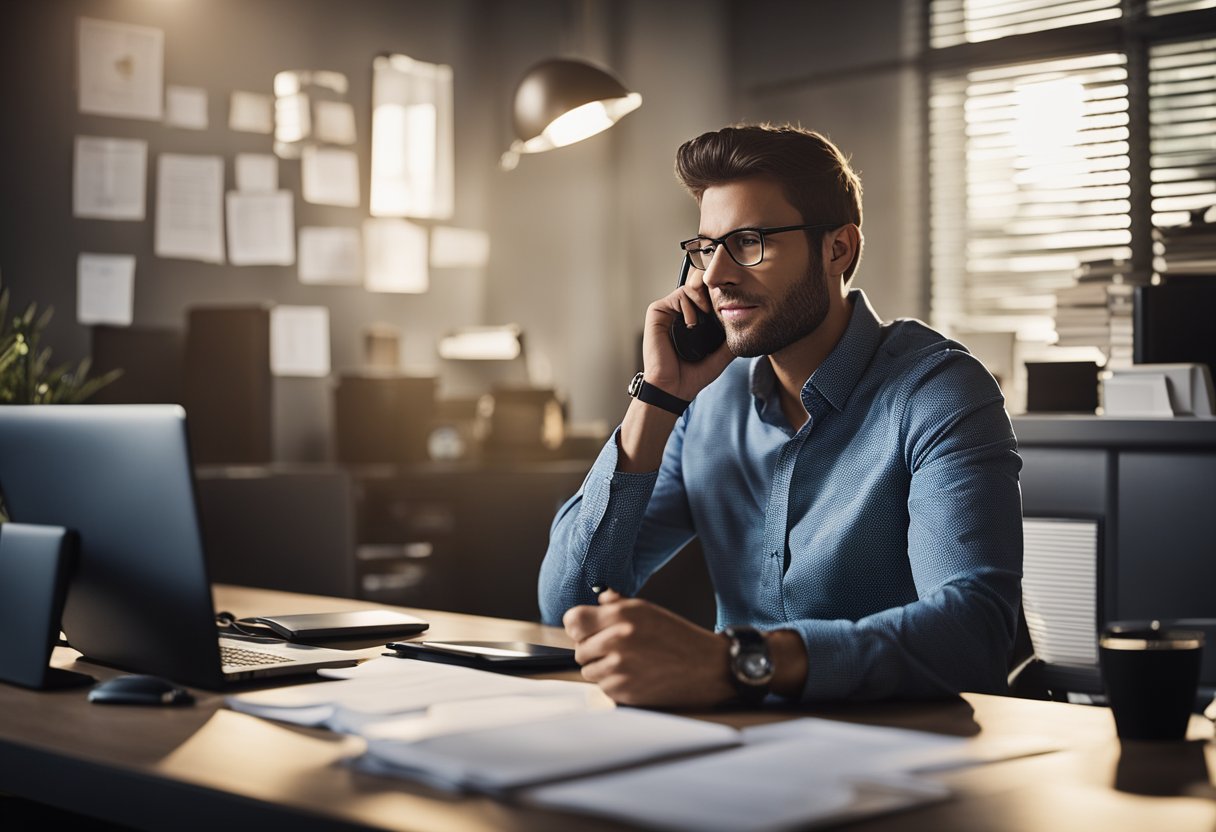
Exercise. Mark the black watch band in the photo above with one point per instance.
(751, 664)
(639, 389)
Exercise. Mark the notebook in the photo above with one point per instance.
(139, 598)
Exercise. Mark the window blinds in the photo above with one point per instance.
(1182, 129)
(953, 22)
(1029, 178)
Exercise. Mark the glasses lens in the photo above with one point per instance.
(699, 251)
(747, 247)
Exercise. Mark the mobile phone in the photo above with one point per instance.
(489, 655)
(703, 339)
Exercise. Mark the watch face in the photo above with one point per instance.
(756, 666)
(636, 385)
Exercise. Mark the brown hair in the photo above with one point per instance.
(815, 176)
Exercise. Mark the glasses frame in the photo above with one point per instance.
(763, 232)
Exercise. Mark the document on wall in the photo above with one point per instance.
(335, 122)
(261, 229)
(121, 69)
(459, 248)
(395, 253)
(186, 107)
(299, 341)
(109, 178)
(331, 255)
(330, 176)
(190, 207)
(251, 112)
(105, 289)
(257, 173)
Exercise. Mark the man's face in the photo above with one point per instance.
(767, 307)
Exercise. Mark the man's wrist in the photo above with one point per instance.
(654, 395)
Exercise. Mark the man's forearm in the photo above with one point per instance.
(643, 437)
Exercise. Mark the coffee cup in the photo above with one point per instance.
(1151, 673)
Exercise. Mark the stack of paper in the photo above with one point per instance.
(390, 687)
(546, 740)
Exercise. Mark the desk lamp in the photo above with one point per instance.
(561, 101)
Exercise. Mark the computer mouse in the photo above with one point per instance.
(139, 689)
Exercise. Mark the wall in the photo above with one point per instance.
(846, 70)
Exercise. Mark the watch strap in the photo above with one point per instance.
(640, 389)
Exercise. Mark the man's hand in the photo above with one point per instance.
(642, 654)
(662, 366)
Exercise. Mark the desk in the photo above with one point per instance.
(208, 767)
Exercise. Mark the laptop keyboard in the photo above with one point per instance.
(240, 657)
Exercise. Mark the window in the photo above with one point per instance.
(1038, 164)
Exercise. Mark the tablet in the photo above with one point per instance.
(355, 623)
(489, 655)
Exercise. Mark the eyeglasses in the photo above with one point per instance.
(745, 245)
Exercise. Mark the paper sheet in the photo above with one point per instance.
(299, 341)
(331, 255)
(257, 173)
(186, 107)
(189, 207)
(261, 229)
(330, 176)
(105, 289)
(121, 69)
(395, 254)
(335, 122)
(292, 122)
(109, 178)
(251, 112)
(459, 247)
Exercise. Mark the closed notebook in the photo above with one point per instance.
(500, 758)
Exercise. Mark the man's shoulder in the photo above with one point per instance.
(920, 361)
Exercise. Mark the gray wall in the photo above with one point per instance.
(582, 238)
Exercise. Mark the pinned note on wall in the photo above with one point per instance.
(331, 255)
(261, 229)
(121, 69)
(257, 173)
(299, 341)
(330, 176)
(186, 107)
(105, 289)
(251, 112)
(396, 256)
(190, 207)
(108, 178)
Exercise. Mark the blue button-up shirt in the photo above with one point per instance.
(886, 530)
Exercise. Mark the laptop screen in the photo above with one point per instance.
(120, 476)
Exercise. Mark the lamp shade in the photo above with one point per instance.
(561, 101)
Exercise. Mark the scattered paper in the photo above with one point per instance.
(299, 341)
(186, 107)
(251, 112)
(335, 122)
(330, 176)
(395, 256)
(121, 69)
(459, 247)
(190, 207)
(331, 255)
(257, 173)
(261, 229)
(105, 289)
(109, 178)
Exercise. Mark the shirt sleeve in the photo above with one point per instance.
(964, 551)
(617, 531)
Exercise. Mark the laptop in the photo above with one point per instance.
(139, 599)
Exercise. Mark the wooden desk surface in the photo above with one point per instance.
(210, 767)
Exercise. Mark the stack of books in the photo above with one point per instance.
(1097, 311)
(1187, 250)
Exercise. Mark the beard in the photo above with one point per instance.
(795, 315)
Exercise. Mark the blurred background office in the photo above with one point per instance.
(400, 335)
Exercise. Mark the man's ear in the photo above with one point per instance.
(845, 248)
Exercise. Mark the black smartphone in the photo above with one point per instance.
(489, 655)
(704, 338)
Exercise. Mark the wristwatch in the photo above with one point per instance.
(751, 664)
(639, 389)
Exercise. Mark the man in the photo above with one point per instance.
(853, 483)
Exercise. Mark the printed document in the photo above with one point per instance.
(459, 248)
(251, 112)
(257, 173)
(190, 207)
(186, 107)
(331, 255)
(261, 229)
(335, 122)
(108, 178)
(105, 289)
(121, 69)
(330, 176)
(395, 256)
(299, 341)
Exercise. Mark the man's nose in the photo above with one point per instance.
(722, 270)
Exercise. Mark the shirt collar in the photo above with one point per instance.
(842, 369)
